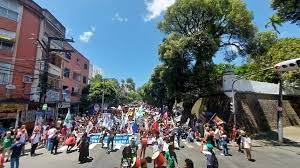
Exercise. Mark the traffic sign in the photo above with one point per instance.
(279, 109)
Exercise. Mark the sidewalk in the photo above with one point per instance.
(292, 133)
(291, 139)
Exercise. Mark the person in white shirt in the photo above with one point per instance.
(246, 140)
(51, 133)
(217, 137)
(35, 139)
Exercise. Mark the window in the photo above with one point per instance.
(85, 66)
(9, 9)
(298, 62)
(66, 72)
(6, 45)
(68, 55)
(4, 73)
(27, 79)
(84, 79)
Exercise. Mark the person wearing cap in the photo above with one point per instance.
(7, 142)
(212, 161)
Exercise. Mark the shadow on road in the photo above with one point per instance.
(271, 138)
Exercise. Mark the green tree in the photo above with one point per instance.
(286, 10)
(110, 88)
(84, 100)
(130, 84)
(274, 51)
(196, 30)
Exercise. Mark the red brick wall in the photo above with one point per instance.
(9, 25)
(26, 52)
(75, 67)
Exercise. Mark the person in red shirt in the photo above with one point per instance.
(144, 142)
(71, 142)
(155, 128)
(63, 132)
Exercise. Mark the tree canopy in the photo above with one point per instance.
(114, 93)
(195, 31)
(269, 50)
(287, 10)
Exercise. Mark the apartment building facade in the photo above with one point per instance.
(75, 74)
(19, 21)
(22, 62)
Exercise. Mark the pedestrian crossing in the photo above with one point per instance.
(185, 143)
(92, 146)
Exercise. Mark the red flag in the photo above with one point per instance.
(155, 127)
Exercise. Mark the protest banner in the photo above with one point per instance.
(119, 138)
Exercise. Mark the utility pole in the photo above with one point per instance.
(289, 65)
(233, 107)
(102, 102)
(280, 111)
(48, 50)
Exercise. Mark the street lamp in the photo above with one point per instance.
(284, 66)
(288, 65)
(232, 104)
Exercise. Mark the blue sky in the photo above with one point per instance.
(121, 36)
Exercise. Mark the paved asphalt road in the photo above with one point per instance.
(265, 157)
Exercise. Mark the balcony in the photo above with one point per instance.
(54, 70)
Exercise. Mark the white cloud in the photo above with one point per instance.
(156, 7)
(233, 49)
(86, 36)
(117, 17)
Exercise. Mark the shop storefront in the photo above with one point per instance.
(63, 108)
(10, 114)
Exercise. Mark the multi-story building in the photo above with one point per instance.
(22, 62)
(19, 21)
(49, 27)
(75, 74)
(94, 70)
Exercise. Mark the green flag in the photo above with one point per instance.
(68, 120)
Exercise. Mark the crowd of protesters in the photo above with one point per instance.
(153, 128)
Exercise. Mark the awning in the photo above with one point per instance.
(7, 38)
